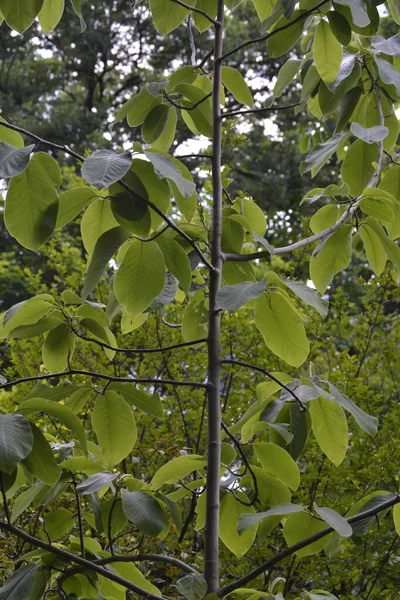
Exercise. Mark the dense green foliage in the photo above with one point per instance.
(132, 430)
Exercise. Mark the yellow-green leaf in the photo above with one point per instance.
(298, 527)
(279, 463)
(329, 425)
(328, 52)
(334, 256)
(236, 84)
(231, 509)
(50, 14)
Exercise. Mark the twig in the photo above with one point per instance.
(306, 14)
(102, 376)
(246, 462)
(239, 363)
(197, 10)
(86, 564)
(268, 564)
(145, 556)
(235, 113)
(195, 105)
(139, 350)
(3, 494)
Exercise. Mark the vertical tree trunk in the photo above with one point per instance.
(211, 563)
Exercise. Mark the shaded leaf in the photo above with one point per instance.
(104, 167)
(13, 160)
(144, 511)
(16, 441)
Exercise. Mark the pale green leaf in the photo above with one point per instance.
(20, 14)
(50, 14)
(330, 428)
(327, 52)
(236, 84)
(300, 526)
(279, 463)
(177, 469)
(168, 16)
(148, 403)
(334, 256)
(104, 167)
(71, 203)
(58, 348)
(231, 510)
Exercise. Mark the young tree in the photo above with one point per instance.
(184, 261)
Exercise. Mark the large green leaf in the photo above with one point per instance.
(390, 182)
(10, 136)
(50, 14)
(20, 14)
(271, 491)
(168, 16)
(327, 52)
(166, 167)
(231, 510)
(104, 167)
(144, 511)
(236, 84)
(358, 166)
(330, 516)
(279, 463)
(281, 327)
(27, 312)
(388, 73)
(365, 422)
(176, 261)
(284, 40)
(16, 441)
(148, 403)
(130, 206)
(330, 428)
(97, 219)
(41, 462)
(32, 202)
(21, 584)
(71, 203)
(13, 160)
(195, 321)
(177, 469)
(155, 123)
(59, 411)
(106, 246)
(58, 348)
(375, 252)
(286, 75)
(192, 586)
(308, 295)
(300, 526)
(334, 256)
(201, 115)
(115, 427)
(141, 276)
(57, 523)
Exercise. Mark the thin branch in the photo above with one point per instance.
(149, 203)
(197, 10)
(194, 156)
(268, 564)
(195, 105)
(246, 462)
(80, 524)
(139, 350)
(239, 363)
(150, 557)
(86, 564)
(277, 30)
(4, 497)
(109, 378)
(250, 111)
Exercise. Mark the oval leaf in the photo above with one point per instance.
(104, 167)
(144, 511)
(16, 441)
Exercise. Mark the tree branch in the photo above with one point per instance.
(195, 105)
(278, 30)
(235, 113)
(246, 462)
(240, 363)
(150, 557)
(86, 564)
(266, 565)
(197, 10)
(139, 350)
(109, 378)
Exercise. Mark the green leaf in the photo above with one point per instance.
(340, 27)
(283, 41)
(97, 219)
(390, 183)
(334, 256)
(366, 422)
(209, 7)
(59, 411)
(192, 586)
(137, 108)
(375, 252)
(82, 464)
(286, 75)
(147, 403)
(177, 469)
(281, 327)
(77, 6)
(16, 441)
(369, 135)
(41, 462)
(58, 523)
(232, 297)
(358, 11)
(130, 206)
(264, 8)
(391, 248)
(377, 208)
(236, 84)
(309, 296)
(166, 167)
(155, 123)
(144, 511)
(330, 516)
(330, 428)
(246, 521)
(115, 427)
(32, 202)
(396, 518)
(300, 526)
(140, 278)
(201, 115)
(231, 510)
(168, 17)
(271, 491)
(20, 586)
(279, 463)
(9, 136)
(320, 155)
(105, 248)
(71, 203)
(96, 482)
(195, 321)
(50, 14)
(327, 51)
(58, 348)
(20, 14)
(176, 261)
(131, 573)
(104, 167)
(13, 161)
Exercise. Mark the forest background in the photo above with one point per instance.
(67, 86)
